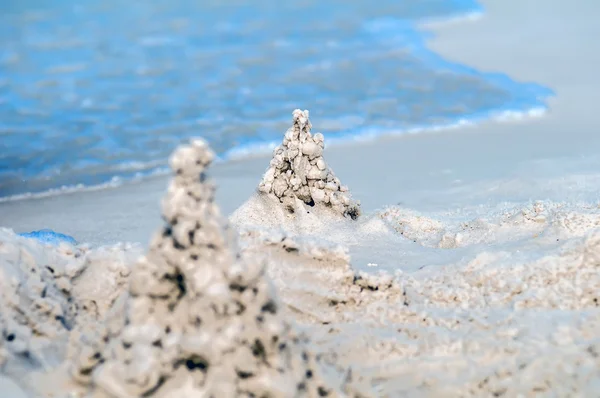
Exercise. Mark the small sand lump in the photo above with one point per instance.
(201, 321)
(298, 171)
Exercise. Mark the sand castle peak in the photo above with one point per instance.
(200, 321)
(298, 171)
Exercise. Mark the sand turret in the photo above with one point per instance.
(298, 171)
(200, 320)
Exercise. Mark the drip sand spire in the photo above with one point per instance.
(298, 171)
(200, 321)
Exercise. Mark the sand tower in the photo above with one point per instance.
(200, 321)
(298, 171)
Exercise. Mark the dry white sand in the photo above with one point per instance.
(473, 271)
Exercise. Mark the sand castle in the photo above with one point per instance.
(298, 171)
(200, 320)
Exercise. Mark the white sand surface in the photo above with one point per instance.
(488, 234)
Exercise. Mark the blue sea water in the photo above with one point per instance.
(92, 90)
(49, 237)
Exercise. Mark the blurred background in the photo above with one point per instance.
(95, 92)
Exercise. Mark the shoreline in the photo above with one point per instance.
(264, 150)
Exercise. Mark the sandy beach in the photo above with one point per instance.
(527, 153)
(474, 269)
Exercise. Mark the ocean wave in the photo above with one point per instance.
(114, 182)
